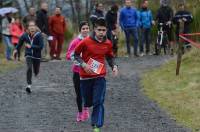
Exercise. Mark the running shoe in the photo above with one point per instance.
(85, 113)
(79, 117)
(28, 89)
(96, 129)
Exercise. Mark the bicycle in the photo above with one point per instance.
(162, 40)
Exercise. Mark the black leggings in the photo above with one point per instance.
(76, 81)
(32, 64)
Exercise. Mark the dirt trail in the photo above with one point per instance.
(51, 107)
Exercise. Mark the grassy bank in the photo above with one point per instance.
(179, 95)
(7, 65)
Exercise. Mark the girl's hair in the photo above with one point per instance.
(114, 7)
(83, 23)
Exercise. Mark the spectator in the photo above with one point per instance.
(146, 21)
(30, 17)
(16, 30)
(57, 27)
(111, 22)
(165, 16)
(42, 23)
(98, 12)
(6, 35)
(129, 24)
(185, 17)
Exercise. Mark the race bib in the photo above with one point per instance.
(95, 66)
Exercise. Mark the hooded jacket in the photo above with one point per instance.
(36, 42)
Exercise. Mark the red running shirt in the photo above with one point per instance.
(90, 48)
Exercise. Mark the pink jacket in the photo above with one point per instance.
(70, 51)
(16, 31)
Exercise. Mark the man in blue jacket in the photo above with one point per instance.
(128, 20)
(33, 45)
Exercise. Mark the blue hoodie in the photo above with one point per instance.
(36, 43)
(146, 18)
(128, 18)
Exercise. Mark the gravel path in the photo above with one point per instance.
(51, 107)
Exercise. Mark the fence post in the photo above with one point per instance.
(180, 50)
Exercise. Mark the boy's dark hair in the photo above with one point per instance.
(82, 23)
(100, 22)
(59, 7)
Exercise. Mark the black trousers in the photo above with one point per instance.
(32, 64)
(76, 81)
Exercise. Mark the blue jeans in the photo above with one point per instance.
(128, 33)
(8, 45)
(95, 88)
(145, 39)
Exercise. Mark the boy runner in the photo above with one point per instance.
(91, 53)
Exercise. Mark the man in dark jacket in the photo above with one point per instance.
(33, 45)
(165, 16)
(184, 17)
(111, 22)
(42, 23)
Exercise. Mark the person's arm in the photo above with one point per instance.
(64, 24)
(78, 50)
(50, 24)
(77, 53)
(188, 18)
(71, 48)
(121, 20)
(111, 62)
(19, 45)
(39, 20)
(41, 42)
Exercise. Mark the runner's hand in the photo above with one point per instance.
(88, 69)
(115, 71)
(15, 54)
(28, 46)
(184, 19)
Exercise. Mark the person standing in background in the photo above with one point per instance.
(185, 17)
(42, 23)
(111, 21)
(128, 20)
(146, 21)
(57, 27)
(30, 17)
(6, 35)
(165, 16)
(97, 13)
(16, 30)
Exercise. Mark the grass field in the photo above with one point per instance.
(179, 95)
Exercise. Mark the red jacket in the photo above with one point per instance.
(57, 24)
(16, 31)
(90, 48)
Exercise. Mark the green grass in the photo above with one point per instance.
(179, 95)
(5, 65)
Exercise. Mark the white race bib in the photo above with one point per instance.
(95, 66)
